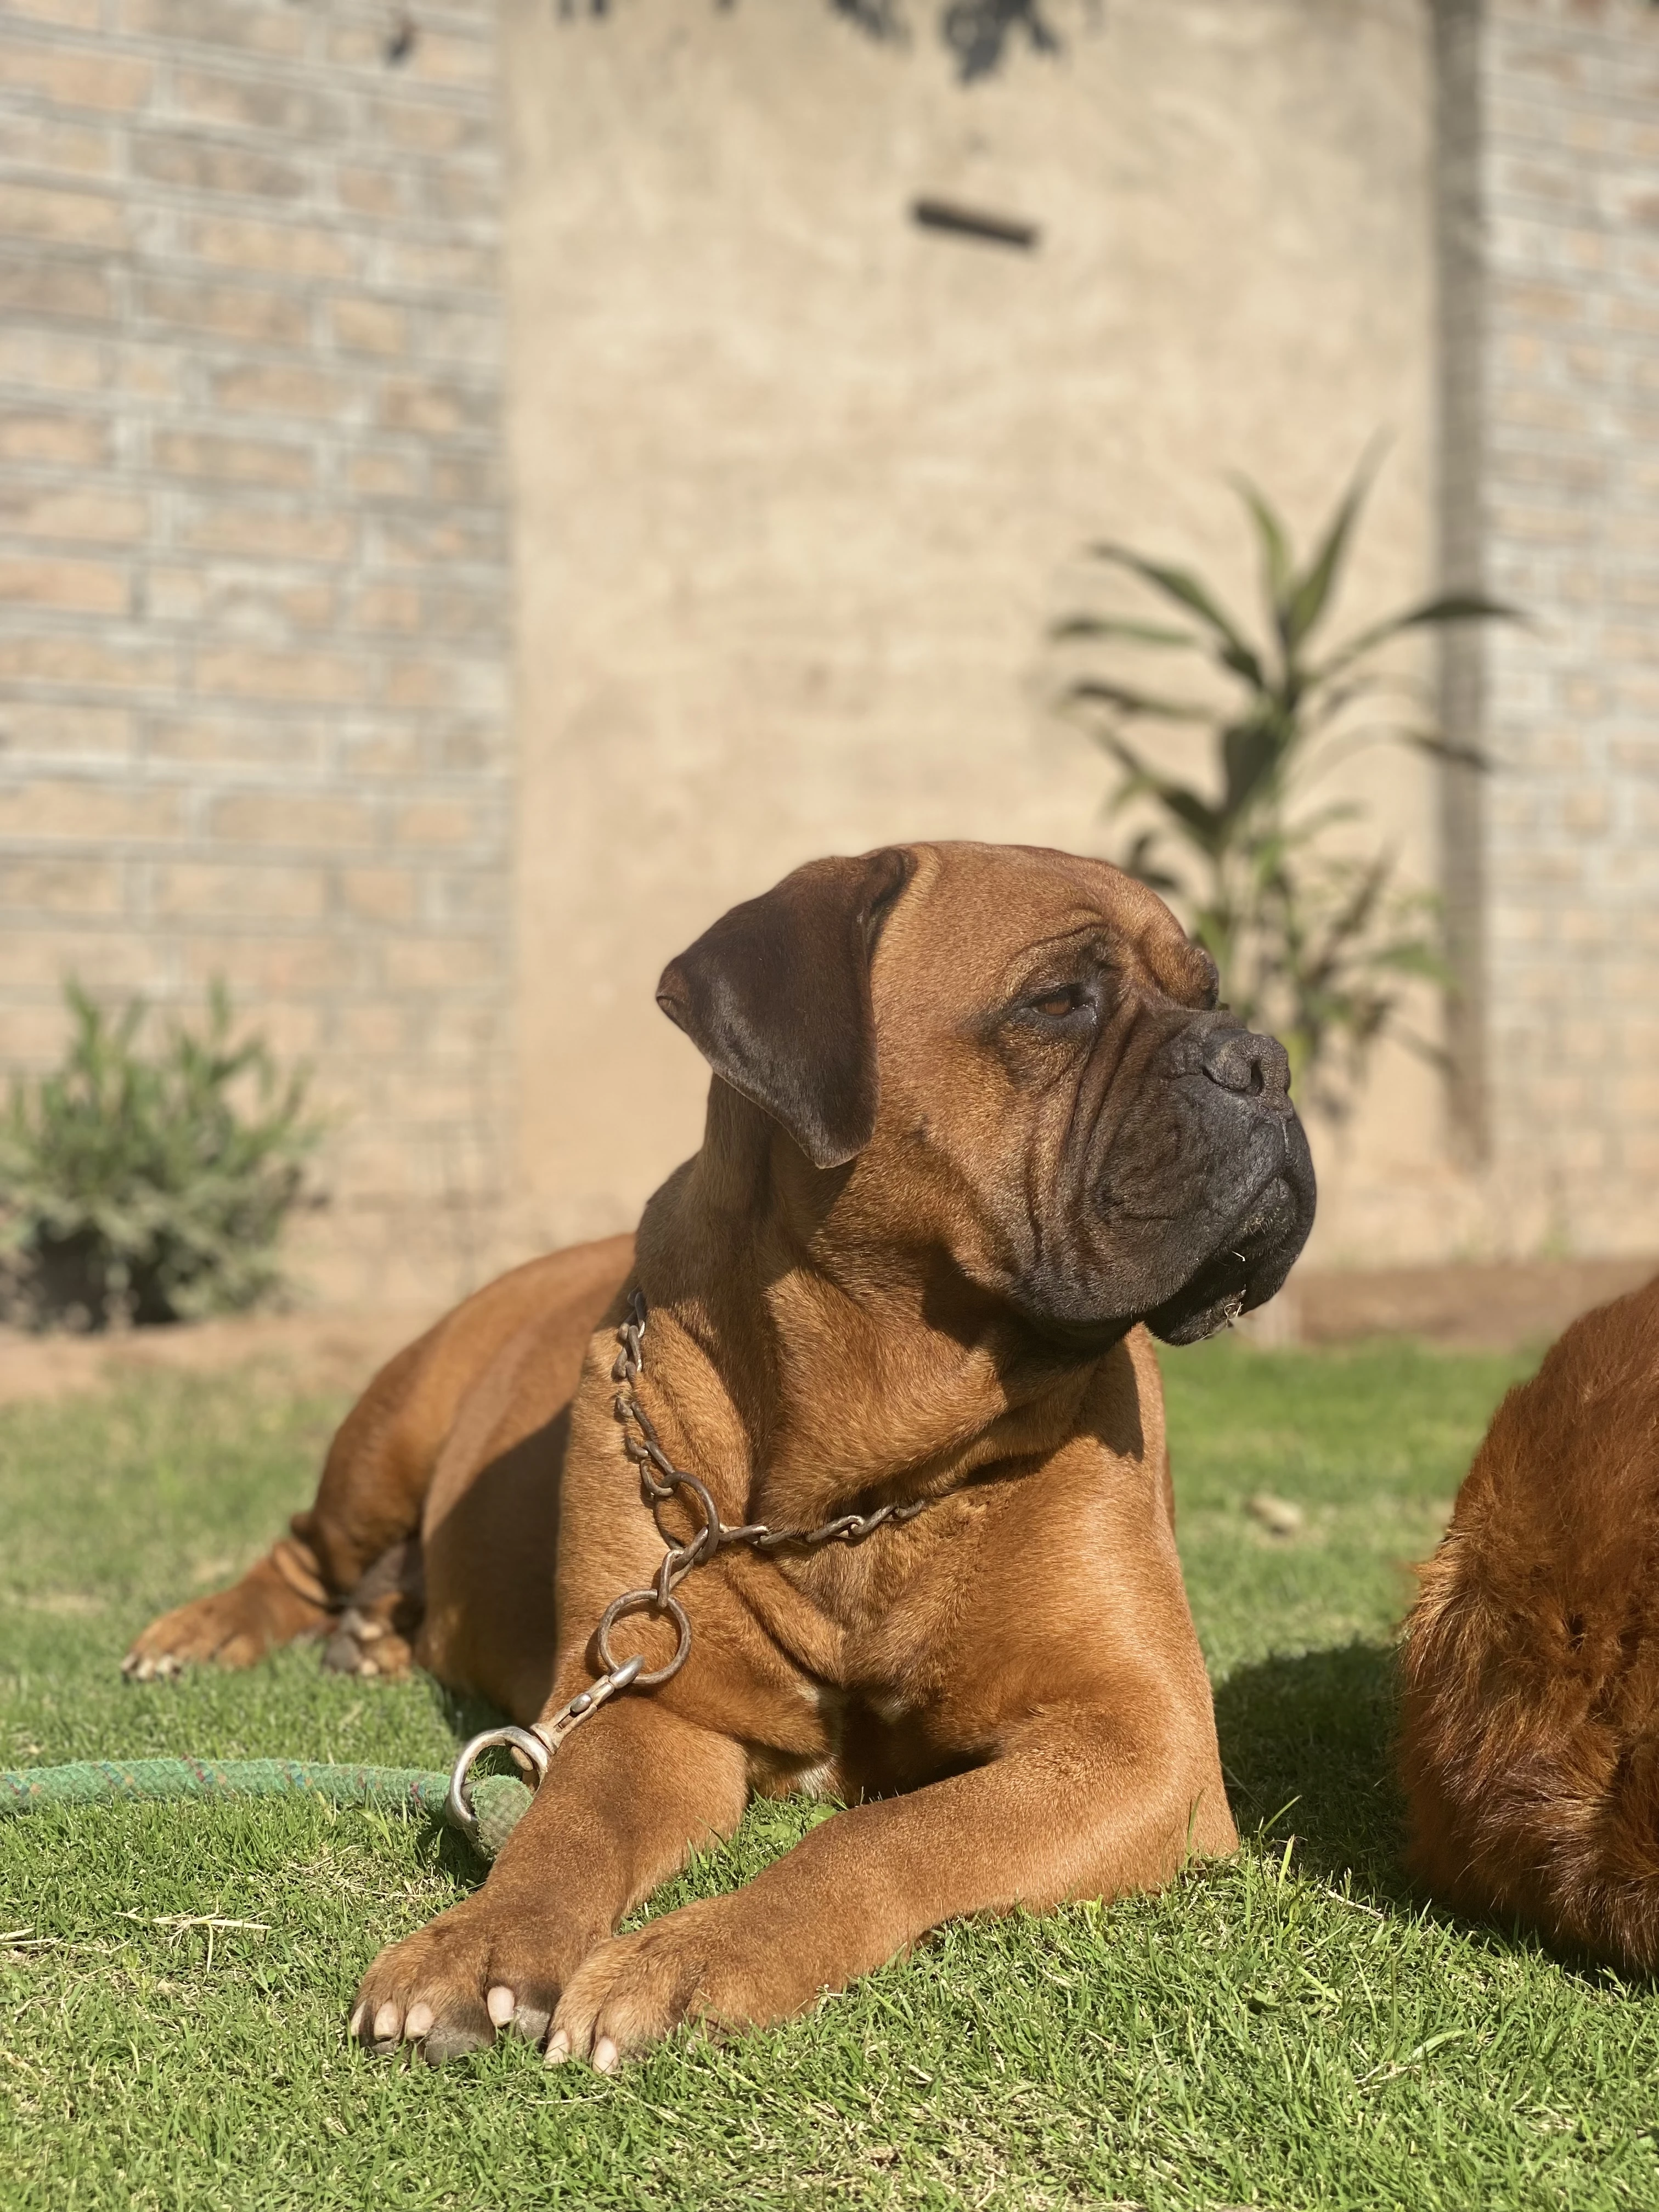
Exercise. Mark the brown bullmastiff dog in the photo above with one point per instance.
(975, 1115)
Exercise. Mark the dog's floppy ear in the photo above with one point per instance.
(776, 999)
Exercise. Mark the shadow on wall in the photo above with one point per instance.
(1318, 1729)
(975, 33)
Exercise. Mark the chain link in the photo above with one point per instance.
(660, 1480)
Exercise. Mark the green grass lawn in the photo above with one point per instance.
(1292, 2029)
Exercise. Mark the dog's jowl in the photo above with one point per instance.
(977, 1126)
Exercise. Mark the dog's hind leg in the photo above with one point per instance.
(375, 1633)
(374, 1489)
(278, 1601)
(367, 1507)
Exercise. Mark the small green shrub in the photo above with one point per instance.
(151, 1187)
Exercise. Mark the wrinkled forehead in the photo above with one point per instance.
(976, 918)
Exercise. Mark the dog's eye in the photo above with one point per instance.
(1054, 1005)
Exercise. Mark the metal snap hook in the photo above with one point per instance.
(458, 1806)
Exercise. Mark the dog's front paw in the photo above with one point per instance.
(695, 1964)
(480, 1967)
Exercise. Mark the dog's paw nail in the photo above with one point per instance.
(387, 2022)
(448, 2040)
(530, 2022)
(558, 2049)
(604, 2056)
(500, 2004)
(355, 2025)
(419, 2021)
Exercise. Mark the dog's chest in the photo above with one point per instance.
(864, 1644)
(869, 1617)
(876, 1742)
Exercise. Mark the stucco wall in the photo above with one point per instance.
(799, 483)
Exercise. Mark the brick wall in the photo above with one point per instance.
(254, 596)
(1568, 370)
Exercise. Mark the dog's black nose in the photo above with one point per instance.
(1239, 1059)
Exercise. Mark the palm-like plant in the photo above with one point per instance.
(1313, 941)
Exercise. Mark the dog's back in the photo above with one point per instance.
(1530, 1723)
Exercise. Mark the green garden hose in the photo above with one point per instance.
(499, 1800)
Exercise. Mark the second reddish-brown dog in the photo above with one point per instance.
(974, 1116)
(1530, 1723)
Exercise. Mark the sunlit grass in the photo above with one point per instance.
(1289, 2030)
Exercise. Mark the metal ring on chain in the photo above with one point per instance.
(644, 1600)
(459, 1804)
(658, 1479)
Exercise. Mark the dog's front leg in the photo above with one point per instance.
(624, 1801)
(1079, 1803)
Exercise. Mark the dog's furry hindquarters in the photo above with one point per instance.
(1530, 1740)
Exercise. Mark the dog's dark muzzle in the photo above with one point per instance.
(1261, 1191)
(1192, 1196)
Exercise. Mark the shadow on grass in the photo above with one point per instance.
(1319, 1728)
(1307, 1745)
(464, 1713)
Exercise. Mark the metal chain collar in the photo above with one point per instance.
(659, 1480)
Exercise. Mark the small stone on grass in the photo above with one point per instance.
(1276, 1515)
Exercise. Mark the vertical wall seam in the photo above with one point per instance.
(1460, 260)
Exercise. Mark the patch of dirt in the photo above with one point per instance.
(322, 1351)
(1476, 1306)
(1487, 1305)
